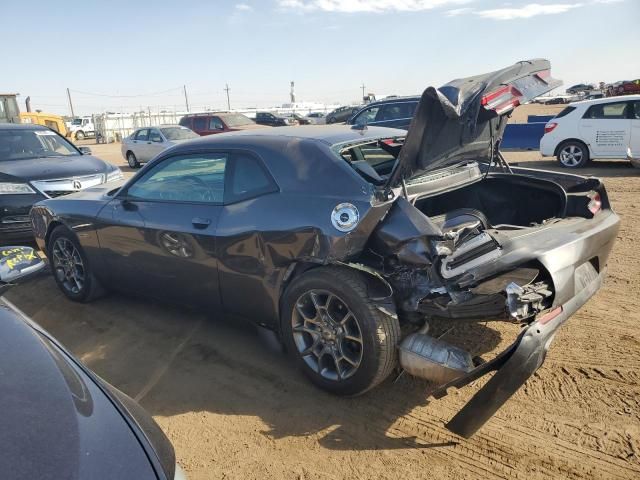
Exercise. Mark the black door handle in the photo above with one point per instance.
(200, 222)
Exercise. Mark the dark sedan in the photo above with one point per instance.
(338, 236)
(394, 112)
(59, 420)
(37, 163)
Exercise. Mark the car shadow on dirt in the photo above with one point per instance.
(178, 362)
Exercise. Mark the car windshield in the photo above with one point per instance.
(25, 144)
(178, 133)
(76, 121)
(236, 120)
(379, 154)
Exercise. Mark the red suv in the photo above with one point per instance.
(217, 122)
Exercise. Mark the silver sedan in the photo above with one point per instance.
(147, 142)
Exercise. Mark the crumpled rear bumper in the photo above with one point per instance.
(514, 365)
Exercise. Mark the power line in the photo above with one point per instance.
(128, 96)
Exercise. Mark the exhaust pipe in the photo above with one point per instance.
(433, 359)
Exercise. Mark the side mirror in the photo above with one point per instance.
(85, 150)
(18, 263)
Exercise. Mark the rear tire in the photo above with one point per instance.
(340, 340)
(573, 154)
(70, 267)
(132, 160)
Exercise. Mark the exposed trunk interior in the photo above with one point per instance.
(503, 200)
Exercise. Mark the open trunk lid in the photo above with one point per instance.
(465, 119)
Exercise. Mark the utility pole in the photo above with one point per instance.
(226, 89)
(73, 115)
(362, 87)
(186, 99)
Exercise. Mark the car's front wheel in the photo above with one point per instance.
(573, 154)
(80, 135)
(132, 160)
(70, 267)
(337, 336)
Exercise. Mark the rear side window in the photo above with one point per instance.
(608, 111)
(199, 124)
(248, 179)
(565, 112)
(184, 121)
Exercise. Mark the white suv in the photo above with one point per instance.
(602, 128)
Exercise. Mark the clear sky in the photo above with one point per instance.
(137, 54)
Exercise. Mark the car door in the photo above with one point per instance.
(634, 146)
(157, 143)
(606, 128)
(247, 268)
(158, 234)
(141, 145)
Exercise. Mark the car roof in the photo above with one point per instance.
(329, 134)
(620, 98)
(21, 126)
(394, 99)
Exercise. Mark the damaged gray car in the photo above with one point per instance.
(350, 241)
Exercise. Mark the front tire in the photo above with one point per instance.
(80, 135)
(132, 160)
(70, 267)
(573, 154)
(340, 340)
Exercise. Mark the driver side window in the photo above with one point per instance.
(196, 178)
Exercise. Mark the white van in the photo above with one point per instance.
(603, 128)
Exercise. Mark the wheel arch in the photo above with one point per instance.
(563, 142)
(379, 290)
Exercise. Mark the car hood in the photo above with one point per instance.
(56, 422)
(46, 168)
(465, 119)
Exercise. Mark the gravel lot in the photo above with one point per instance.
(235, 408)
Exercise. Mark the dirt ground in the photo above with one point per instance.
(235, 408)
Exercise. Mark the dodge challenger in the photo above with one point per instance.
(348, 241)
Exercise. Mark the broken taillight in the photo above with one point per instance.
(595, 203)
(548, 128)
(502, 100)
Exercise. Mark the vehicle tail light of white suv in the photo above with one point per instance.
(548, 128)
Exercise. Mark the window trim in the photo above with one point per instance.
(124, 195)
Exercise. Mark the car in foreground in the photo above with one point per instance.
(394, 112)
(347, 241)
(59, 419)
(147, 142)
(602, 128)
(341, 114)
(217, 122)
(37, 163)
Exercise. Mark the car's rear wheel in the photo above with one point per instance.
(70, 267)
(573, 154)
(340, 340)
(331, 120)
(80, 135)
(132, 160)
